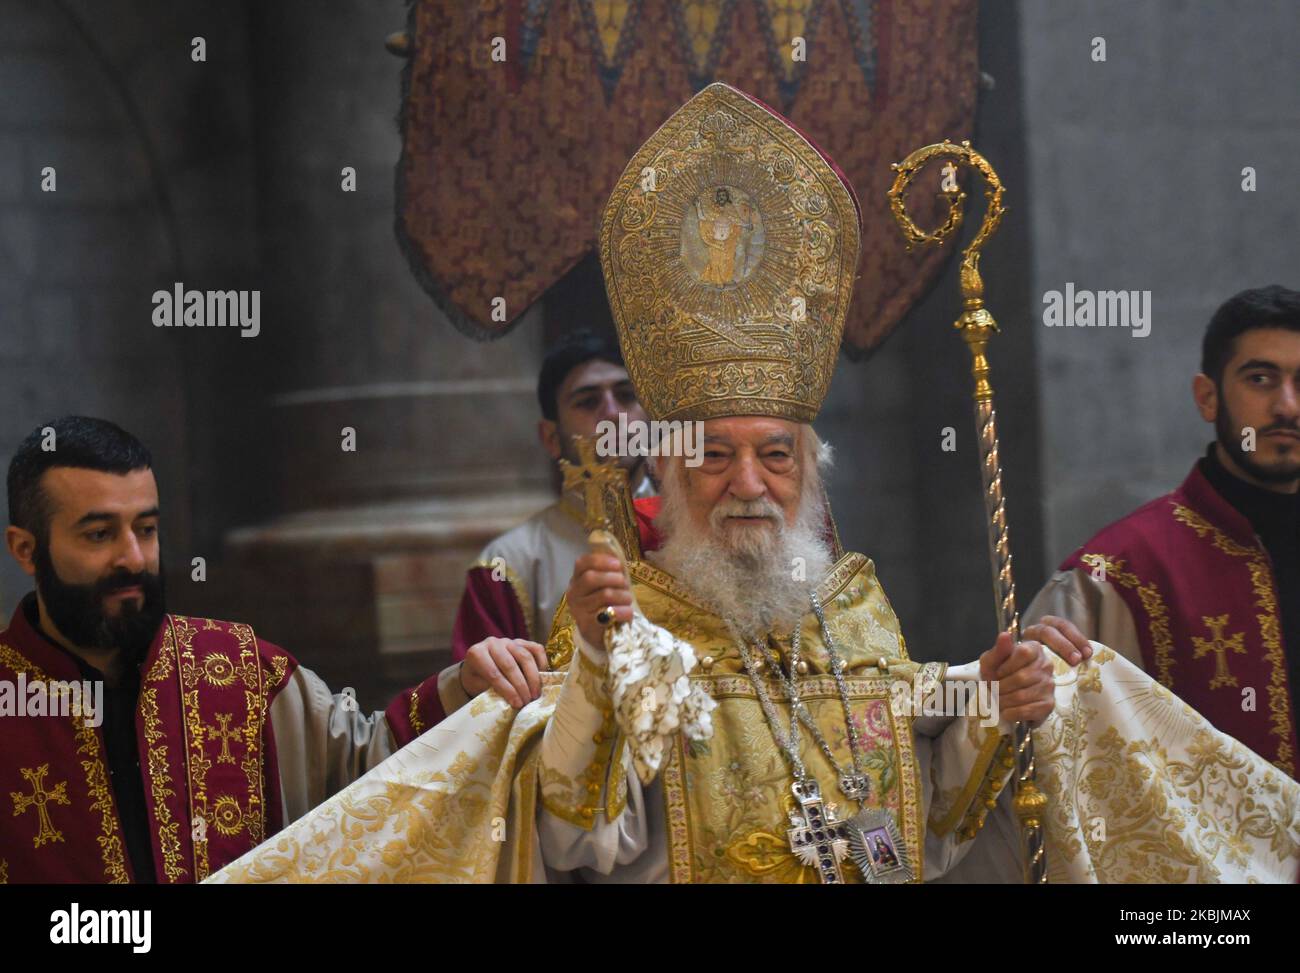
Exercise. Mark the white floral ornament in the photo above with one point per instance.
(649, 677)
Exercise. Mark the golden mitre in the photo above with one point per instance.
(729, 248)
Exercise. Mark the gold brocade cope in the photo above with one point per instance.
(457, 804)
(1141, 788)
(727, 799)
(729, 247)
(1179, 800)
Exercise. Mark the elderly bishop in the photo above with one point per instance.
(815, 768)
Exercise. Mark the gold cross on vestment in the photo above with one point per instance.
(1220, 647)
(225, 735)
(41, 798)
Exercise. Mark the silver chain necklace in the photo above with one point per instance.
(817, 837)
(853, 783)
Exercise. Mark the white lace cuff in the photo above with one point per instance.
(649, 680)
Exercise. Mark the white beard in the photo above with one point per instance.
(752, 576)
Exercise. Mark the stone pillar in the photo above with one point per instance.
(359, 569)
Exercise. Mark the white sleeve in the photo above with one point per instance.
(592, 812)
(567, 847)
(964, 764)
(323, 742)
(1094, 606)
(450, 693)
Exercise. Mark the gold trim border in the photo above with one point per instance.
(1261, 578)
(517, 586)
(102, 800)
(978, 775)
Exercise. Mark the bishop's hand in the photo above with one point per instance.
(1023, 671)
(598, 582)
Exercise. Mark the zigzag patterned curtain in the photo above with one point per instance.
(506, 164)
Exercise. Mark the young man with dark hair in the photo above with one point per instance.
(513, 588)
(1201, 587)
(198, 739)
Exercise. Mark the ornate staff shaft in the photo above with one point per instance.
(977, 326)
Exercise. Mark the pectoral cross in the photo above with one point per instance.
(40, 797)
(1220, 647)
(817, 838)
(225, 735)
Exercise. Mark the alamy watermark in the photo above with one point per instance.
(179, 308)
(1098, 309)
(75, 926)
(654, 438)
(55, 698)
(949, 697)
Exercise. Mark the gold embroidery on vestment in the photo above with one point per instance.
(1261, 579)
(40, 799)
(1162, 642)
(222, 673)
(160, 778)
(968, 805)
(101, 799)
(417, 724)
(1220, 646)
